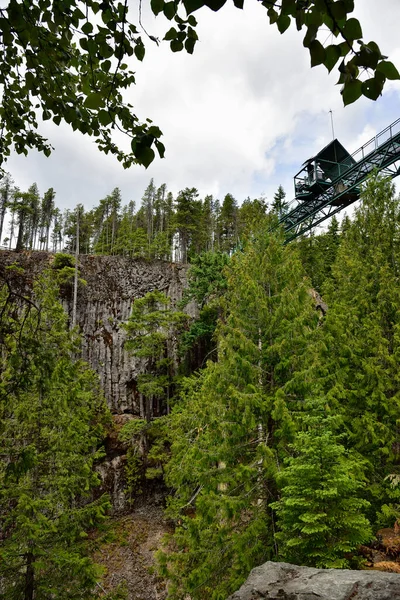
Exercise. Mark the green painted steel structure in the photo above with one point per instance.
(330, 181)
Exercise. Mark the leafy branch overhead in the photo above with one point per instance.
(68, 60)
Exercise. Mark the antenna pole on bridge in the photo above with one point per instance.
(333, 131)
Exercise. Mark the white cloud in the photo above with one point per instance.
(239, 116)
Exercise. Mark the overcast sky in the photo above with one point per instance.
(239, 116)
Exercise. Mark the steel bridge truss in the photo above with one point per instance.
(343, 191)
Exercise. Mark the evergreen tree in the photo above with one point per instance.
(279, 205)
(21, 208)
(229, 223)
(206, 286)
(252, 217)
(56, 234)
(231, 426)
(148, 202)
(318, 253)
(6, 192)
(52, 417)
(150, 327)
(34, 214)
(356, 354)
(187, 217)
(320, 512)
(46, 218)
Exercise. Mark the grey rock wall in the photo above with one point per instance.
(112, 284)
(283, 581)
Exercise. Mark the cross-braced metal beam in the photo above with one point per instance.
(382, 153)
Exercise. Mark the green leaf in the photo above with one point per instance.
(192, 5)
(169, 10)
(87, 28)
(283, 22)
(157, 6)
(288, 7)
(372, 88)
(145, 155)
(349, 5)
(155, 131)
(171, 34)
(352, 30)
(273, 15)
(351, 91)
(83, 42)
(338, 10)
(189, 45)
(366, 57)
(310, 36)
(94, 101)
(105, 50)
(388, 69)
(215, 5)
(332, 55)
(160, 148)
(104, 118)
(106, 66)
(176, 46)
(139, 51)
(317, 53)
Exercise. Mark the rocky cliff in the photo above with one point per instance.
(112, 284)
(291, 582)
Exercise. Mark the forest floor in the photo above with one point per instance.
(126, 553)
(126, 549)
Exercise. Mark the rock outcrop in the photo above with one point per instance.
(112, 285)
(283, 581)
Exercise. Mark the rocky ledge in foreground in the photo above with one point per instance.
(282, 581)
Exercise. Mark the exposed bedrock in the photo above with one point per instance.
(283, 581)
(112, 284)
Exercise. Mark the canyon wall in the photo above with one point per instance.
(112, 285)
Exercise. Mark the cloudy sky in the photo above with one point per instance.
(238, 116)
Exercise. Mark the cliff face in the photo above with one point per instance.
(112, 284)
(291, 582)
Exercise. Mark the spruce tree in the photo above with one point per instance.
(52, 422)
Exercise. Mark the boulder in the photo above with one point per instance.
(283, 581)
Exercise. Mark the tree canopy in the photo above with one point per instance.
(68, 61)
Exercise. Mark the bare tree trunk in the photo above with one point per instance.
(76, 269)
(29, 577)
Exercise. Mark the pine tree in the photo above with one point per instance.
(52, 417)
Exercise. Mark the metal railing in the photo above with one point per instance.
(379, 139)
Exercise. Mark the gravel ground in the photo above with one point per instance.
(129, 557)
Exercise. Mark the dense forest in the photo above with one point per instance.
(279, 434)
(162, 227)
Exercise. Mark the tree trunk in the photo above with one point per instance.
(29, 577)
